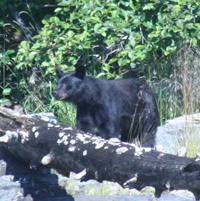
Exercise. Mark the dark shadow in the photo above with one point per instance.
(40, 184)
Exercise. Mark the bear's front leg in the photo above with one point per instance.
(84, 122)
(109, 130)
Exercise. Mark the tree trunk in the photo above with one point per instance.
(66, 149)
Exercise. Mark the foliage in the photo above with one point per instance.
(18, 22)
(114, 36)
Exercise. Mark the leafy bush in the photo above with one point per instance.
(114, 36)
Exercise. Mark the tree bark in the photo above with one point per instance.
(66, 149)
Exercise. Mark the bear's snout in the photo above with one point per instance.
(59, 96)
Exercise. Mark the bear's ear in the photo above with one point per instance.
(80, 68)
(80, 72)
(59, 72)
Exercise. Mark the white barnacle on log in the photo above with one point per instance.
(59, 141)
(140, 150)
(61, 134)
(161, 155)
(132, 180)
(9, 136)
(85, 153)
(24, 135)
(86, 141)
(100, 145)
(71, 149)
(99, 142)
(82, 138)
(72, 142)
(34, 128)
(4, 139)
(63, 140)
(47, 159)
(114, 141)
(68, 129)
(50, 125)
(121, 150)
(36, 134)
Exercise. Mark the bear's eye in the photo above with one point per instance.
(68, 86)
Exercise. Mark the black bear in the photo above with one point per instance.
(125, 109)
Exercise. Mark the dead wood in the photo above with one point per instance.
(68, 150)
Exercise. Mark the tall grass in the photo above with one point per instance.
(179, 95)
(38, 88)
(64, 112)
(189, 73)
(189, 62)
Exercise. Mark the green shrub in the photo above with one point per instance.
(114, 36)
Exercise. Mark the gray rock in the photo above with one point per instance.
(178, 133)
(10, 190)
(45, 116)
(164, 197)
(3, 167)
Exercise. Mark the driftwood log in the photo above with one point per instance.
(66, 149)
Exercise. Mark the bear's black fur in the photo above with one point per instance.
(124, 109)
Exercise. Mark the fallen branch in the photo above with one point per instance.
(66, 149)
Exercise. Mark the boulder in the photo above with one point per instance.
(179, 133)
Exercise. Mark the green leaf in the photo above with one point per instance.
(70, 33)
(170, 49)
(148, 24)
(165, 33)
(101, 75)
(44, 63)
(57, 10)
(132, 65)
(97, 27)
(139, 47)
(176, 8)
(6, 91)
(194, 42)
(4, 101)
(64, 3)
(148, 6)
(180, 23)
(45, 22)
(10, 52)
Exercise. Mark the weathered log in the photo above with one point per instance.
(66, 149)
